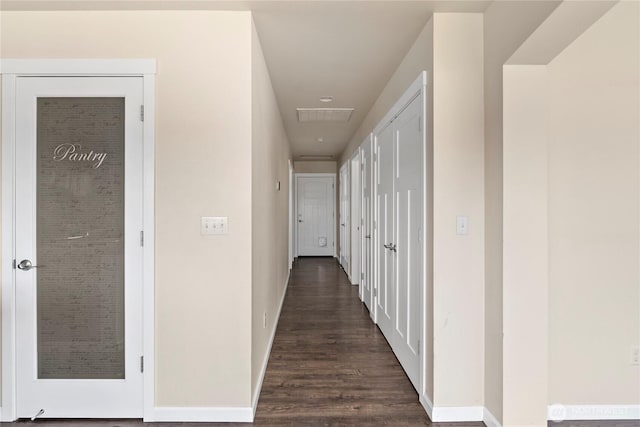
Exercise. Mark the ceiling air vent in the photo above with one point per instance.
(310, 115)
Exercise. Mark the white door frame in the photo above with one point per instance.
(292, 188)
(10, 70)
(295, 216)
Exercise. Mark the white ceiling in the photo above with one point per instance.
(344, 49)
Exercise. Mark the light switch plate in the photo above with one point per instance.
(210, 225)
(462, 225)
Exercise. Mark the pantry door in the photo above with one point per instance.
(78, 221)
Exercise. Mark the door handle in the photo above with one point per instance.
(26, 265)
(368, 236)
(300, 220)
(387, 246)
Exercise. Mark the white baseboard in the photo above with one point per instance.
(265, 362)
(490, 420)
(457, 413)
(427, 405)
(208, 414)
(451, 413)
(593, 412)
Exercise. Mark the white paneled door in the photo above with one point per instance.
(344, 218)
(366, 181)
(408, 238)
(78, 210)
(385, 237)
(315, 215)
(399, 232)
(356, 220)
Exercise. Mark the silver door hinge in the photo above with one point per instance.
(142, 113)
(14, 264)
(375, 292)
(141, 363)
(418, 347)
(361, 276)
(142, 238)
(419, 124)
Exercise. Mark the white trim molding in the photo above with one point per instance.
(11, 69)
(490, 420)
(265, 362)
(452, 413)
(240, 414)
(457, 413)
(78, 67)
(427, 404)
(558, 412)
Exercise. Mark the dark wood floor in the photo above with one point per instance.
(329, 366)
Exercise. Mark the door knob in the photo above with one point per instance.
(299, 220)
(26, 265)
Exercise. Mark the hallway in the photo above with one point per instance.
(330, 365)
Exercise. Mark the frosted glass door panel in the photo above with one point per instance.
(80, 238)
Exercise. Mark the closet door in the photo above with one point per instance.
(408, 237)
(385, 237)
(366, 182)
(344, 217)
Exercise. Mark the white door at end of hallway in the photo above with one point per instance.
(315, 215)
(78, 281)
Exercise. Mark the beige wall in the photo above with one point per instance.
(315, 166)
(594, 213)
(203, 143)
(571, 174)
(417, 59)
(458, 177)
(525, 263)
(506, 26)
(270, 156)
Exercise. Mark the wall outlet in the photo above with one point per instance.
(635, 355)
(264, 320)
